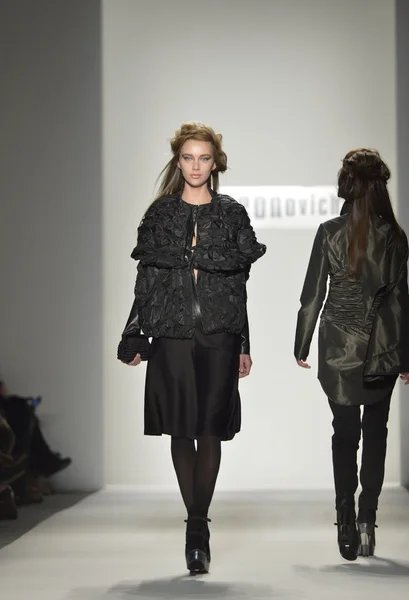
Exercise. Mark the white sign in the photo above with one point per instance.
(287, 207)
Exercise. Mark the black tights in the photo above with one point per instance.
(196, 471)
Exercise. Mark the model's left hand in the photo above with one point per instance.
(245, 365)
(303, 364)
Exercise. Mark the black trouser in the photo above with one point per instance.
(347, 425)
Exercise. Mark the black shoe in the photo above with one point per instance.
(54, 465)
(348, 538)
(197, 549)
(366, 528)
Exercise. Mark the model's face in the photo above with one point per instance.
(196, 162)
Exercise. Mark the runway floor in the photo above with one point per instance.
(124, 545)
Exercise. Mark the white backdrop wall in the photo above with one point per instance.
(51, 222)
(292, 86)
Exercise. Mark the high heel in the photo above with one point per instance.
(367, 539)
(348, 539)
(366, 527)
(197, 549)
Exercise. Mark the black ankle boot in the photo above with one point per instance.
(348, 539)
(366, 528)
(197, 549)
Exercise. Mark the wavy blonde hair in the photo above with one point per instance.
(171, 178)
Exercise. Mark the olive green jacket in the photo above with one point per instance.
(364, 326)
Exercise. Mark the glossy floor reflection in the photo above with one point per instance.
(118, 545)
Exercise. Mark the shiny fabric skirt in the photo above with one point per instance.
(191, 386)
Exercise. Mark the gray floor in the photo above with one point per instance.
(124, 545)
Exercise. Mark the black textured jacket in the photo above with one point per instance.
(169, 300)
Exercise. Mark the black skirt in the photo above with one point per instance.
(192, 386)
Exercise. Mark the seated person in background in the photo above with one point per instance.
(11, 469)
(29, 440)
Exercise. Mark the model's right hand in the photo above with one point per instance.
(136, 361)
(405, 377)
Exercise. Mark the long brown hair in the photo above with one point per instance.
(171, 178)
(362, 182)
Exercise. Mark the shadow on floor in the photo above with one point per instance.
(377, 566)
(374, 566)
(183, 587)
(31, 516)
(191, 587)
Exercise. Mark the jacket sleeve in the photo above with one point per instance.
(401, 300)
(312, 295)
(149, 249)
(132, 326)
(236, 255)
(388, 348)
(245, 338)
(133, 341)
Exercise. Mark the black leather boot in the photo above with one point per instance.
(348, 538)
(197, 549)
(366, 528)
